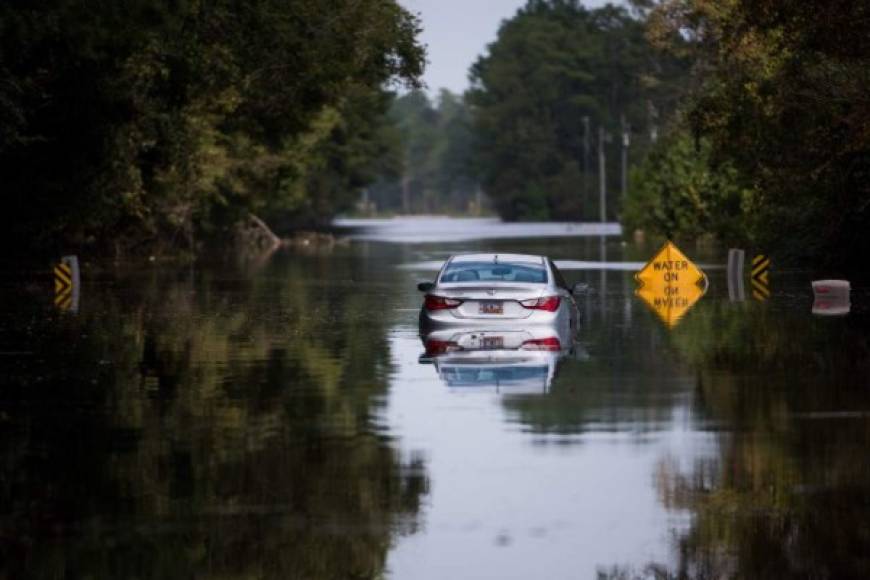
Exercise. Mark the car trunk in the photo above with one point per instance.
(493, 302)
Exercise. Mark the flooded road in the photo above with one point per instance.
(273, 419)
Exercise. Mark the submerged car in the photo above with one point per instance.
(518, 290)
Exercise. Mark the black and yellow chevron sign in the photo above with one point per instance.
(759, 277)
(66, 284)
(63, 286)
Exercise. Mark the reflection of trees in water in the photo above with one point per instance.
(631, 381)
(788, 495)
(786, 491)
(221, 427)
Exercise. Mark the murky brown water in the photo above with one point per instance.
(272, 420)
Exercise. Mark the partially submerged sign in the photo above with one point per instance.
(670, 284)
(66, 284)
(831, 297)
(759, 279)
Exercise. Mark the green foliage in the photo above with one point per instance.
(436, 171)
(678, 193)
(781, 93)
(157, 119)
(552, 65)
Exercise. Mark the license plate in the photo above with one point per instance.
(491, 308)
(492, 342)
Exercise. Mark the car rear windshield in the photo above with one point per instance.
(494, 272)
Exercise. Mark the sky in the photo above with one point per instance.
(456, 32)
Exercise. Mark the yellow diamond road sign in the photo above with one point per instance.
(671, 284)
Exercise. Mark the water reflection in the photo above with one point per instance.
(522, 360)
(555, 482)
(787, 495)
(273, 420)
(748, 423)
(210, 423)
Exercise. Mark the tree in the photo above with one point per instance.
(552, 65)
(678, 192)
(781, 94)
(437, 148)
(125, 125)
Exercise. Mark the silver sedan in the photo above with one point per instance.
(497, 290)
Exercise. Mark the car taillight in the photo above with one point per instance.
(548, 303)
(440, 303)
(435, 347)
(551, 344)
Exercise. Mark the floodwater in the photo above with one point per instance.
(271, 417)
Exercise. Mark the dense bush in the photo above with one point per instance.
(155, 122)
(677, 191)
(780, 92)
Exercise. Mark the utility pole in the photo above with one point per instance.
(653, 115)
(602, 176)
(364, 202)
(626, 139)
(406, 183)
(587, 197)
(406, 193)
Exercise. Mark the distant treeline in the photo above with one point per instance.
(558, 79)
(437, 156)
(526, 133)
(746, 121)
(772, 144)
(151, 123)
(166, 123)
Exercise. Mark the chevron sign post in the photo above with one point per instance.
(67, 284)
(759, 277)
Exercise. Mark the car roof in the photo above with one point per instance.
(499, 257)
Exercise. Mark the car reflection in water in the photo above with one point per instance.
(521, 361)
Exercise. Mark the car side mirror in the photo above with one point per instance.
(579, 288)
(425, 286)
